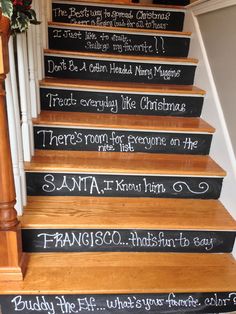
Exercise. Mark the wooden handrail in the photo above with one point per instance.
(12, 260)
(5, 34)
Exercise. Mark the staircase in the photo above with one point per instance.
(123, 211)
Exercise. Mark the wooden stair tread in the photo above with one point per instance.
(129, 4)
(130, 122)
(131, 58)
(158, 5)
(110, 273)
(131, 213)
(120, 163)
(120, 29)
(123, 2)
(123, 87)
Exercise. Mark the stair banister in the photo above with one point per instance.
(12, 260)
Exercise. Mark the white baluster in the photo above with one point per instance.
(15, 132)
(45, 5)
(38, 70)
(17, 118)
(14, 146)
(49, 9)
(27, 86)
(42, 15)
(27, 126)
(33, 78)
(39, 45)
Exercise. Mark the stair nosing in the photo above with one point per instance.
(58, 83)
(115, 57)
(28, 170)
(118, 274)
(106, 128)
(173, 211)
(156, 7)
(114, 226)
(36, 166)
(173, 126)
(148, 32)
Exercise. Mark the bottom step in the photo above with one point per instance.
(123, 283)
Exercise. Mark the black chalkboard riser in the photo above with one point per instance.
(152, 18)
(111, 102)
(153, 303)
(136, 44)
(115, 185)
(117, 70)
(106, 140)
(127, 240)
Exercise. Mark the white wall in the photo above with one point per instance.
(218, 32)
(222, 149)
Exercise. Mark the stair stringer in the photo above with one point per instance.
(221, 148)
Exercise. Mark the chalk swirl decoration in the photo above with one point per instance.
(179, 186)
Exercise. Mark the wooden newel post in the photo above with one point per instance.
(12, 260)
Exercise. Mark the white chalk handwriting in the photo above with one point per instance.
(70, 304)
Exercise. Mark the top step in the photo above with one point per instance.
(172, 2)
(142, 17)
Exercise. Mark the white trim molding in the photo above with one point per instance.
(205, 6)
